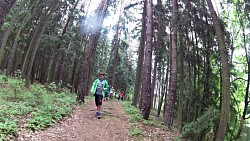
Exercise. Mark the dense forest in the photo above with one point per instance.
(186, 61)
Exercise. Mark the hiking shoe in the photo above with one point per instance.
(98, 115)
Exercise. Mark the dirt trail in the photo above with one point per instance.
(84, 126)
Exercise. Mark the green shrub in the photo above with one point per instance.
(203, 128)
(8, 127)
(134, 131)
(17, 101)
(135, 118)
(151, 122)
(52, 86)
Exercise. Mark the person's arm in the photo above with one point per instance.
(106, 86)
(93, 87)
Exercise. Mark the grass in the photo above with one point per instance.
(42, 107)
(139, 124)
(134, 130)
(135, 118)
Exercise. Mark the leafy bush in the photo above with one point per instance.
(53, 108)
(8, 127)
(151, 122)
(52, 86)
(134, 112)
(135, 131)
(44, 107)
(203, 128)
(135, 117)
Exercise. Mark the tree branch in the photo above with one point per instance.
(247, 118)
(239, 78)
(131, 5)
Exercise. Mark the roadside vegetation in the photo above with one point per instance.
(38, 106)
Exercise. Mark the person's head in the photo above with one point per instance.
(101, 75)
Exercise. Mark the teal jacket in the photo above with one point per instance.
(94, 86)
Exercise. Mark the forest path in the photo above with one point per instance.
(83, 125)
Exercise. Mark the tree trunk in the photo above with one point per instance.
(15, 44)
(52, 71)
(194, 62)
(6, 36)
(197, 106)
(173, 79)
(37, 38)
(116, 46)
(169, 62)
(12, 51)
(164, 90)
(137, 88)
(207, 94)
(225, 95)
(154, 76)
(146, 80)
(61, 65)
(46, 66)
(90, 49)
(157, 92)
(75, 70)
(246, 102)
(61, 61)
(104, 54)
(182, 79)
(86, 64)
(115, 60)
(159, 42)
(190, 88)
(5, 8)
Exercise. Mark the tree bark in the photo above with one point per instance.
(158, 88)
(61, 65)
(173, 79)
(225, 95)
(61, 61)
(137, 88)
(90, 49)
(37, 38)
(164, 90)
(75, 71)
(169, 62)
(146, 80)
(15, 44)
(5, 8)
(207, 68)
(182, 79)
(159, 42)
(116, 49)
(6, 35)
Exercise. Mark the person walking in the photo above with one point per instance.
(111, 92)
(123, 96)
(106, 94)
(119, 95)
(99, 86)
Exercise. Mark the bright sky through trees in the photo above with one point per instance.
(112, 19)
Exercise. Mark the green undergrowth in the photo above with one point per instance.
(38, 106)
(135, 117)
(203, 128)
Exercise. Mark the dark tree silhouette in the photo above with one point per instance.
(5, 8)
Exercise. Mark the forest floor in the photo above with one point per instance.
(83, 125)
